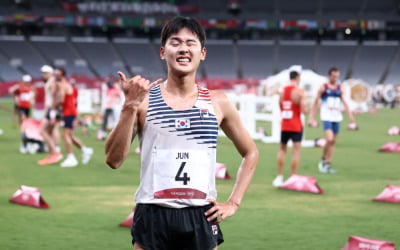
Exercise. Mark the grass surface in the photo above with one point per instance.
(88, 202)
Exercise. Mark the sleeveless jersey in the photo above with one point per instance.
(76, 94)
(48, 99)
(69, 105)
(331, 104)
(24, 96)
(290, 112)
(178, 153)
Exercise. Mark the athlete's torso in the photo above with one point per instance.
(48, 98)
(69, 104)
(178, 153)
(331, 104)
(24, 96)
(112, 97)
(291, 120)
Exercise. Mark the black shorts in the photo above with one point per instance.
(68, 121)
(289, 135)
(24, 111)
(58, 115)
(156, 227)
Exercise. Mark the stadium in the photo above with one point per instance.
(251, 48)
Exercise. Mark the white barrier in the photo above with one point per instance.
(253, 109)
(257, 108)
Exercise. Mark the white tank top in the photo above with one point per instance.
(331, 105)
(48, 99)
(178, 153)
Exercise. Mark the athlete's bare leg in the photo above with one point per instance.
(281, 158)
(46, 130)
(15, 119)
(295, 157)
(329, 146)
(56, 135)
(77, 142)
(22, 118)
(67, 136)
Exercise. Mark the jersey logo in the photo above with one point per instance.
(182, 123)
(204, 113)
(214, 229)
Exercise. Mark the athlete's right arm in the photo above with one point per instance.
(13, 89)
(118, 143)
(315, 104)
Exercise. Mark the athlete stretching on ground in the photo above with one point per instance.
(177, 123)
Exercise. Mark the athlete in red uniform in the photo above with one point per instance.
(292, 128)
(70, 111)
(23, 94)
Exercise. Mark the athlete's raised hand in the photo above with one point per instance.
(136, 88)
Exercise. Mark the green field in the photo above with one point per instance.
(88, 202)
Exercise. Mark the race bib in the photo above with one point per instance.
(182, 174)
(333, 103)
(287, 114)
(25, 96)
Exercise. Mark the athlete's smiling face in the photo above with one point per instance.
(183, 52)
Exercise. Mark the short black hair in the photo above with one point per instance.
(293, 75)
(333, 69)
(177, 23)
(63, 70)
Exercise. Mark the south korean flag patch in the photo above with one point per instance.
(182, 123)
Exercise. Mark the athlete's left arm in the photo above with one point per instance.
(62, 91)
(346, 106)
(303, 105)
(233, 127)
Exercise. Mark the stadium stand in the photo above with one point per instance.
(221, 59)
(338, 53)
(393, 75)
(7, 72)
(99, 54)
(256, 58)
(296, 53)
(59, 53)
(141, 56)
(373, 59)
(17, 48)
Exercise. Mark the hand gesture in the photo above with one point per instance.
(136, 88)
(221, 211)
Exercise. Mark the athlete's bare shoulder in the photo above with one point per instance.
(218, 96)
(221, 103)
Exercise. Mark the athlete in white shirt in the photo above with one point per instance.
(177, 122)
(332, 100)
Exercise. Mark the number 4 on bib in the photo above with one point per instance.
(185, 178)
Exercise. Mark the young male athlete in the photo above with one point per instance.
(177, 123)
(112, 98)
(49, 123)
(68, 103)
(332, 100)
(23, 95)
(293, 103)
